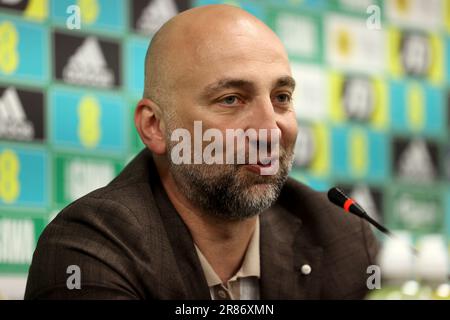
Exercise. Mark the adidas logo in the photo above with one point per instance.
(13, 122)
(155, 15)
(88, 66)
(415, 162)
(11, 2)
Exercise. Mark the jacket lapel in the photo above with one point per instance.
(285, 249)
(181, 258)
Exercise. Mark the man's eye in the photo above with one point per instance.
(283, 98)
(230, 100)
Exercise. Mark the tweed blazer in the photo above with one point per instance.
(130, 243)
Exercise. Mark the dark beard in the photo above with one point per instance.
(219, 191)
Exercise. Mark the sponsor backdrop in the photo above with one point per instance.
(372, 103)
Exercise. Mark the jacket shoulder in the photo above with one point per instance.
(108, 234)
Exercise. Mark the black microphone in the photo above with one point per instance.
(339, 198)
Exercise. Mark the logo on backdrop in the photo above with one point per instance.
(14, 4)
(149, 16)
(83, 176)
(418, 210)
(21, 115)
(16, 241)
(88, 66)
(87, 61)
(305, 147)
(416, 160)
(415, 54)
(358, 98)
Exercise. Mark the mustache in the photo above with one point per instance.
(251, 153)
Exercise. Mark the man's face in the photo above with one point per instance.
(237, 81)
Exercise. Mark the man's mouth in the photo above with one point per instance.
(256, 167)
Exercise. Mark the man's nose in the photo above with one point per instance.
(262, 115)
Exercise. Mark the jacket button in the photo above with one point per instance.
(306, 269)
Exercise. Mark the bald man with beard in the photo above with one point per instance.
(163, 230)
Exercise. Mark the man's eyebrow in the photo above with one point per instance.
(227, 83)
(286, 81)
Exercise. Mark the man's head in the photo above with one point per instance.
(219, 65)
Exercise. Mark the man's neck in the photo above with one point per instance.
(212, 235)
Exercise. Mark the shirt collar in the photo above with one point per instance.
(250, 266)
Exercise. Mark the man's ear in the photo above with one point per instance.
(150, 126)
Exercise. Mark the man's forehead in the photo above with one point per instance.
(220, 48)
(220, 38)
(250, 65)
(237, 45)
(238, 53)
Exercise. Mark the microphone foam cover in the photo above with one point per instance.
(336, 196)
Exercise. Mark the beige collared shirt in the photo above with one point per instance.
(244, 285)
